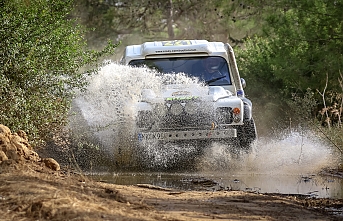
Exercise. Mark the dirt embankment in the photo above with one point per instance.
(32, 188)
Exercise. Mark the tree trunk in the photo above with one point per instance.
(170, 21)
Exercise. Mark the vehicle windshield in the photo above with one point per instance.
(212, 70)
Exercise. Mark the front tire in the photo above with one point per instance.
(246, 134)
(170, 155)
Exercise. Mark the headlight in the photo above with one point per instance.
(176, 109)
(161, 109)
(191, 107)
(144, 119)
(236, 112)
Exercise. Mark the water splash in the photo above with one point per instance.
(295, 153)
(107, 112)
(107, 108)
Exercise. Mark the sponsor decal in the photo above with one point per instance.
(179, 93)
(181, 98)
(176, 42)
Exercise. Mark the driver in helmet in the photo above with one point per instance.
(211, 70)
(211, 65)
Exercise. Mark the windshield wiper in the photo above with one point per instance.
(214, 79)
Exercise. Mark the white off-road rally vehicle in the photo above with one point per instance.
(184, 113)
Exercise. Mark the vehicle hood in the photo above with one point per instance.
(186, 92)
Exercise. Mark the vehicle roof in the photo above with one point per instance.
(174, 48)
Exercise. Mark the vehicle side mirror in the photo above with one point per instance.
(244, 84)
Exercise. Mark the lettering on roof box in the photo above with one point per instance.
(176, 50)
(176, 42)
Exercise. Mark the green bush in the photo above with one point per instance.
(42, 51)
(298, 54)
(300, 47)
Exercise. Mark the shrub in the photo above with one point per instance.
(42, 52)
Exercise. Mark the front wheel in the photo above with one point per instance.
(246, 134)
(155, 155)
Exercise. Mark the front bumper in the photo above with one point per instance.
(188, 135)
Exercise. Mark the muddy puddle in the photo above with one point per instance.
(291, 166)
(309, 185)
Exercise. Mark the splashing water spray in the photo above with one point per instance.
(107, 114)
(296, 153)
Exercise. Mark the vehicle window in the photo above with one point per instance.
(213, 70)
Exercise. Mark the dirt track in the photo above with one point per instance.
(31, 191)
(34, 188)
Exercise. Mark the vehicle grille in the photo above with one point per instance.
(224, 115)
(194, 114)
(201, 117)
(198, 120)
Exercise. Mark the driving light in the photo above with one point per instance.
(144, 119)
(176, 109)
(191, 107)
